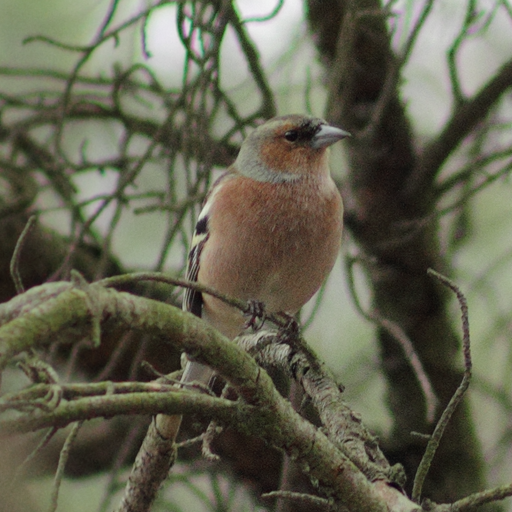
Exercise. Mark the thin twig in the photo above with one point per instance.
(190, 442)
(469, 170)
(476, 500)
(304, 499)
(453, 53)
(394, 330)
(15, 260)
(209, 436)
(268, 107)
(415, 32)
(112, 282)
(22, 467)
(212, 432)
(63, 459)
(457, 397)
(462, 122)
(266, 17)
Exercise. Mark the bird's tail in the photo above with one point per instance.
(169, 426)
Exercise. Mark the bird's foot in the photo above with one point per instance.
(256, 312)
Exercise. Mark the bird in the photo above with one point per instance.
(269, 231)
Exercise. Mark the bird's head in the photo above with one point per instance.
(286, 148)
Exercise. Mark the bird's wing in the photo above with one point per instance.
(193, 300)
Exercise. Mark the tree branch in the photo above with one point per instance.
(465, 118)
(262, 412)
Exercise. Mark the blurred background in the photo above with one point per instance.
(115, 117)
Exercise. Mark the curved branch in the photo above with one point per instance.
(271, 417)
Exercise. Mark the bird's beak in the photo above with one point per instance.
(328, 135)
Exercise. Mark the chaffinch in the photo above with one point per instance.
(270, 228)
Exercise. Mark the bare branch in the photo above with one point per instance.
(394, 330)
(462, 122)
(15, 261)
(63, 458)
(457, 397)
(260, 405)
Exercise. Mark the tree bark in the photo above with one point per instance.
(387, 222)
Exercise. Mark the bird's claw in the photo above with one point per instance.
(256, 311)
(289, 328)
(292, 326)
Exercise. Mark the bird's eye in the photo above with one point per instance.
(291, 136)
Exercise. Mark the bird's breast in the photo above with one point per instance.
(272, 243)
